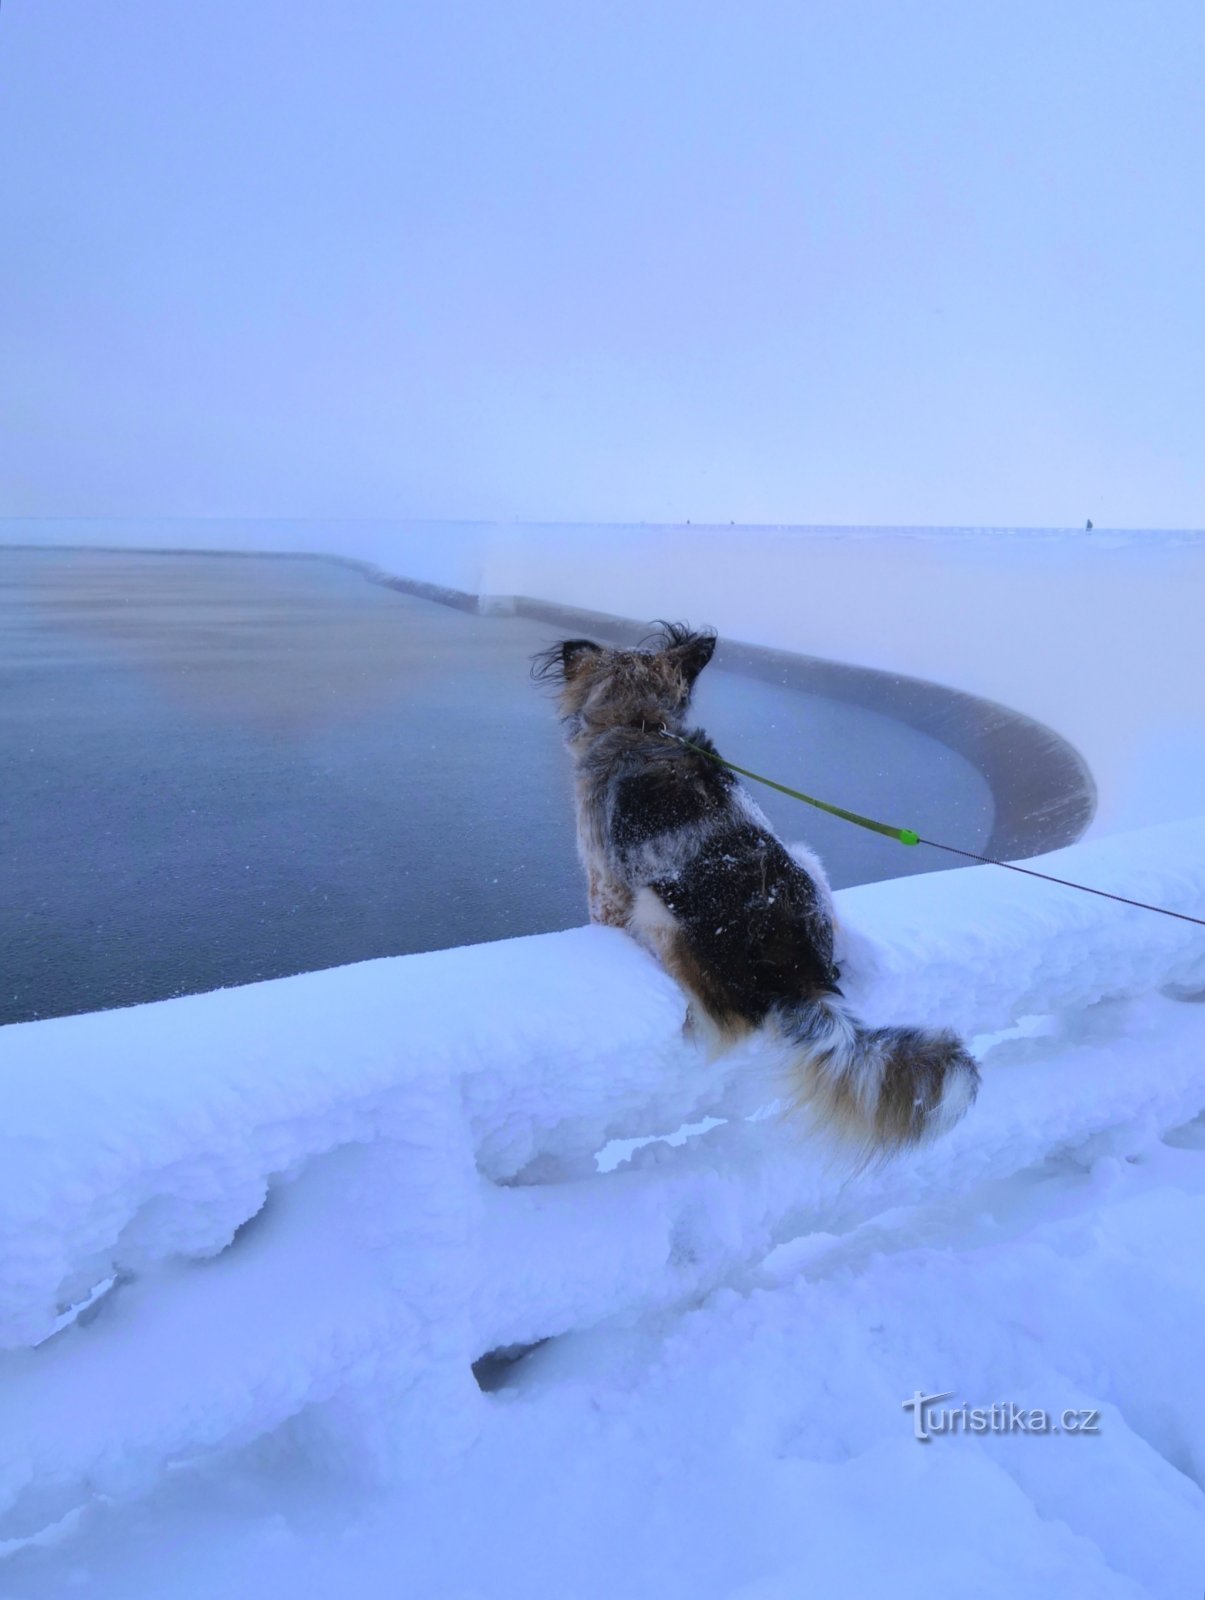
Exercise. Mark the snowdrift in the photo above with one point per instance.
(314, 1203)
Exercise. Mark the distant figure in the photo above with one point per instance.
(1088, 526)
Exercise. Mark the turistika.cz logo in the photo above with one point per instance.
(931, 1419)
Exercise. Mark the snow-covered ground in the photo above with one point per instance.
(420, 1161)
(733, 1319)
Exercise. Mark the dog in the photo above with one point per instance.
(678, 854)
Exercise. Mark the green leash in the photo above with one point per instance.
(907, 836)
(904, 835)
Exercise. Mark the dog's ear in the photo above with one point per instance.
(564, 660)
(693, 653)
(574, 655)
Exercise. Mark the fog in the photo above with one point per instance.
(869, 263)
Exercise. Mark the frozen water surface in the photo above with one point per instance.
(219, 769)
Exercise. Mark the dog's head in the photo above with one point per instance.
(605, 687)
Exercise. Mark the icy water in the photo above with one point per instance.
(216, 769)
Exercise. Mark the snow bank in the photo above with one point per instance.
(134, 1136)
(415, 1139)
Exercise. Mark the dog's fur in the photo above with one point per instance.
(677, 853)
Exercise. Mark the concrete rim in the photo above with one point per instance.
(1043, 789)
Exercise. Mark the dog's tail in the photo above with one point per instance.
(880, 1088)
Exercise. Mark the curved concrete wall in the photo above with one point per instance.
(1044, 793)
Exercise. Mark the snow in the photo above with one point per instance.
(182, 1111)
(404, 1155)
(253, 1242)
(753, 1443)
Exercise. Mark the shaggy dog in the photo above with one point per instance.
(677, 853)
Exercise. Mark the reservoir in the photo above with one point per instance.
(216, 769)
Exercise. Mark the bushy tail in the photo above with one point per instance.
(880, 1088)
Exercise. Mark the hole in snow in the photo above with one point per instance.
(496, 1368)
(618, 1150)
(1035, 1026)
(83, 1311)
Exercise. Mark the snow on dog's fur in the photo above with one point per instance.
(677, 853)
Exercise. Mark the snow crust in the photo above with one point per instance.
(309, 1206)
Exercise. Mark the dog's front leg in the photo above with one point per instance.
(610, 901)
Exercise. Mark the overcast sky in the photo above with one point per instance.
(562, 260)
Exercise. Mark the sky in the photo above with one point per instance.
(929, 261)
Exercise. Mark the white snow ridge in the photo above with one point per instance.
(302, 1210)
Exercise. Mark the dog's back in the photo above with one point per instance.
(678, 854)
